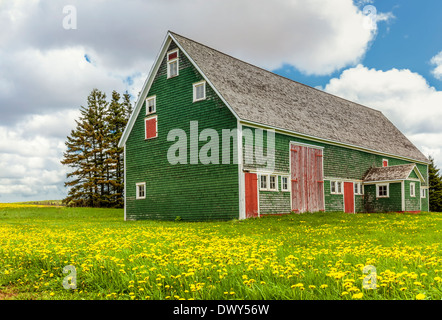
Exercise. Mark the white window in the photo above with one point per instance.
(284, 183)
(358, 187)
(273, 183)
(151, 105)
(263, 182)
(423, 193)
(385, 162)
(199, 91)
(412, 189)
(268, 182)
(172, 63)
(336, 187)
(141, 190)
(382, 190)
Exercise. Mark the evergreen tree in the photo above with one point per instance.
(116, 120)
(93, 153)
(435, 184)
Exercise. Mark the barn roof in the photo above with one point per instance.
(262, 97)
(399, 172)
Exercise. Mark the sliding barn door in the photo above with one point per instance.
(307, 179)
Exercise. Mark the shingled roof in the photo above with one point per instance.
(399, 172)
(259, 96)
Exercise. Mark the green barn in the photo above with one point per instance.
(213, 137)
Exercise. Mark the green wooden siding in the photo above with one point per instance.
(271, 202)
(391, 203)
(412, 203)
(339, 163)
(189, 191)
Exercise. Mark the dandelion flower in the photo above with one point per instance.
(420, 296)
(357, 295)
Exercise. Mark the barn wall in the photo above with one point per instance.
(391, 204)
(189, 191)
(339, 163)
(412, 203)
(271, 202)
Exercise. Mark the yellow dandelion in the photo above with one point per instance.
(420, 296)
(357, 295)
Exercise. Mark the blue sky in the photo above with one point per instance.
(48, 70)
(408, 41)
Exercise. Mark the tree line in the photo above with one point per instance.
(435, 187)
(97, 176)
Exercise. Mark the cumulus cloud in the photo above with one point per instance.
(437, 61)
(47, 71)
(30, 154)
(405, 97)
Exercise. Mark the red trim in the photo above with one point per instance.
(172, 55)
(273, 214)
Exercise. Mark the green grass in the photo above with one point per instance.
(297, 256)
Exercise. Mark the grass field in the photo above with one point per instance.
(305, 256)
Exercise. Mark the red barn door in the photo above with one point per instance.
(307, 179)
(349, 197)
(251, 188)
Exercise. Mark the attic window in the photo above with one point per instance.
(199, 91)
(384, 162)
(172, 63)
(151, 127)
(151, 105)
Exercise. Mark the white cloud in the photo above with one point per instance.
(437, 60)
(45, 75)
(403, 96)
(30, 154)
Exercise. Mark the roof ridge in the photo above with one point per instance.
(274, 74)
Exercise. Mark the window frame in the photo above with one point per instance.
(276, 182)
(282, 183)
(156, 127)
(412, 188)
(384, 160)
(334, 185)
(171, 61)
(198, 84)
(154, 99)
(358, 190)
(137, 191)
(266, 182)
(387, 185)
(423, 193)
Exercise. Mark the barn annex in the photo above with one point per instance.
(205, 122)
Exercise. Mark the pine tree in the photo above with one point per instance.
(435, 184)
(97, 179)
(116, 119)
(86, 154)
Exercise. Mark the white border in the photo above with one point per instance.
(137, 197)
(154, 98)
(195, 85)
